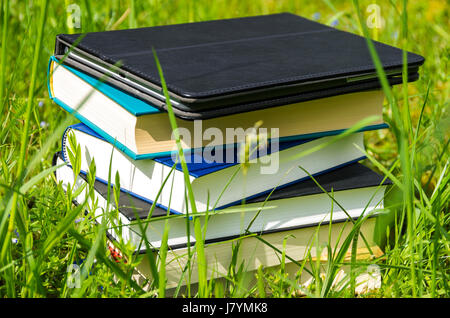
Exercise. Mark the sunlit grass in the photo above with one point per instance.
(39, 237)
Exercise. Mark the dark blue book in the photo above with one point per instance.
(210, 173)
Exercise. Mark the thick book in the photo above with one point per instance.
(143, 131)
(275, 165)
(358, 190)
(222, 67)
(264, 250)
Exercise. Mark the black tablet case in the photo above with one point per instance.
(221, 67)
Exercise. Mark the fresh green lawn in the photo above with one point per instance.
(41, 232)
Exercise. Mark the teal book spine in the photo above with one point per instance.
(105, 89)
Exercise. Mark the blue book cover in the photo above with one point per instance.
(197, 165)
(199, 168)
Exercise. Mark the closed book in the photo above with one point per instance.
(267, 167)
(263, 250)
(142, 130)
(223, 67)
(357, 190)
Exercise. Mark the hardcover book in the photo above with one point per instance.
(358, 190)
(143, 131)
(264, 250)
(267, 167)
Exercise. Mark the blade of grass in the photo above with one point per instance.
(355, 128)
(201, 259)
(132, 16)
(163, 250)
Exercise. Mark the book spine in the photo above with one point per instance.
(99, 131)
(94, 127)
(64, 144)
(49, 85)
(84, 174)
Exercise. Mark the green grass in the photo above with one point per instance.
(39, 237)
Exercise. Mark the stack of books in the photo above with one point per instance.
(261, 105)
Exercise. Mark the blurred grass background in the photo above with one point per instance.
(428, 35)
